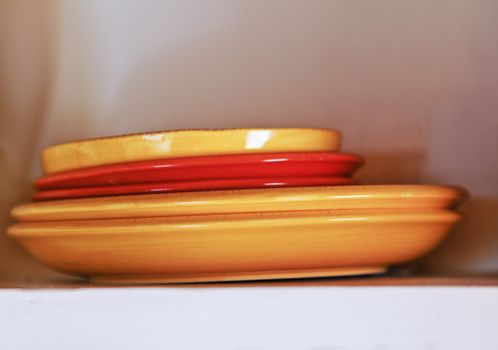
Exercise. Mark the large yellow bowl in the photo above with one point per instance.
(244, 201)
(185, 143)
(235, 247)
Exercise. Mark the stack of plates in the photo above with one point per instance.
(223, 205)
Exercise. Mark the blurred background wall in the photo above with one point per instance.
(413, 85)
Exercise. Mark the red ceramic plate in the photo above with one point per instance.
(189, 186)
(207, 168)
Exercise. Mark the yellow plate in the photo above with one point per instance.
(244, 201)
(185, 143)
(237, 246)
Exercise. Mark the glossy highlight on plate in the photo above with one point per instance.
(298, 164)
(185, 143)
(245, 201)
(235, 247)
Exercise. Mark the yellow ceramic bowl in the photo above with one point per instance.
(235, 247)
(244, 201)
(185, 143)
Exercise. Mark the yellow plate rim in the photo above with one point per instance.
(183, 143)
(180, 225)
(241, 201)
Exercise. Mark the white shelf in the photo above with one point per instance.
(289, 315)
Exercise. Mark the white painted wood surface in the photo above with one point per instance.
(251, 318)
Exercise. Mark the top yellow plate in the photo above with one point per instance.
(244, 201)
(185, 143)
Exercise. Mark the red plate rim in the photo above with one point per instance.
(190, 186)
(53, 181)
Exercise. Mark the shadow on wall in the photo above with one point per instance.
(393, 168)
(474, 153)
(26, 46)
(474, 240)
(181, 81)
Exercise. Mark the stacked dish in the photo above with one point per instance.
(223, 205)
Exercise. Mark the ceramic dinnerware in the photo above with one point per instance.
(317, 164)
(244, 201)
(184, 143)
(236, 247)
(190, 186)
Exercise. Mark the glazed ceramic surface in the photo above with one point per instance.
(207, 168)
(185, 143)
(189, 186)
(244, 201)
(237, 246)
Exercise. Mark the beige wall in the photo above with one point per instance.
(412, 84)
